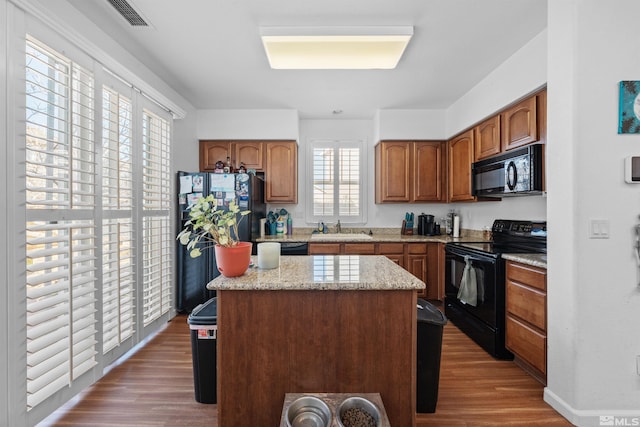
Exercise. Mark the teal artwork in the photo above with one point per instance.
(629, 113)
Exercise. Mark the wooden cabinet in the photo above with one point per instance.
(393, 160)
(409, 171)
(520, 124)
(460, 158)
(325, 248)
(211, 152)
(281, 172)
(393, 251)
(487, 138)
(435, 272)
(526, 320)
(417, 263)
(359, 248)
(428, 171)
(248, 152)
(277, 159)
(251, 153)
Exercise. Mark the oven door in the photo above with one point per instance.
(484, 268)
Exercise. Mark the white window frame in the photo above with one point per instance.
(334, 144)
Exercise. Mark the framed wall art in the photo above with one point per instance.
(629, 112)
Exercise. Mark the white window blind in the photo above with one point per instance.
(117, 162)
(337, 181)
(118, 269)
(156, 201)
(60, 231)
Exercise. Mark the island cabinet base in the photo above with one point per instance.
(273, 342)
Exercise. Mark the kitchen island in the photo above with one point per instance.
(316, 324)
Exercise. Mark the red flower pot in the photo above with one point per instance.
(233, 261)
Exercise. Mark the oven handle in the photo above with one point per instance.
(462, 252)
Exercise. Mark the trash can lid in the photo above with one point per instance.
(429, 313)
(204, 314)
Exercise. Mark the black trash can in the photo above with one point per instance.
(431, 321)
(203, 322)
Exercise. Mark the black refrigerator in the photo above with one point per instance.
(247, 190)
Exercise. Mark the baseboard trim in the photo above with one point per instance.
(590, 418)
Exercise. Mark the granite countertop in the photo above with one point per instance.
(535, 260)
(323, 272)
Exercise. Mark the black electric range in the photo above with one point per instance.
(475, 280)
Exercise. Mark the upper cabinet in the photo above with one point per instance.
(248, 152)
(409, 171)
(281, 172)
(460, 155)
(393, 160)
(428, 171)
(251, 153)
(211, 152)
(520, 124)
(487, 138)
(277, 159)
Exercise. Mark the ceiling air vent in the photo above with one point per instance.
(127, 11)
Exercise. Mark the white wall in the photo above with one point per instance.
(4, 249)
(185, 153)
(522, 73)
(593, 299)
(411, 124)
(247, 124)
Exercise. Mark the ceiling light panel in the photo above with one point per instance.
(335, 47)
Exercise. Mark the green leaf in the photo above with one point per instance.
(195, 253)
(184, 237)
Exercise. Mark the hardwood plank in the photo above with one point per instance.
(154, 387)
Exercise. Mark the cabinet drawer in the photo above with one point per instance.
(390, 248)
(528, 304)
(417, 248)
(529, 345)
(324, 249)
(528, 275)
(359, 248)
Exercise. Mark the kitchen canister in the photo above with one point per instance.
(268, 255)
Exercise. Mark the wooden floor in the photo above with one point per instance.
(154, 387)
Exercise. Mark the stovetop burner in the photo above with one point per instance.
(512, 236)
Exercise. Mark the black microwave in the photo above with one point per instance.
(518, 172)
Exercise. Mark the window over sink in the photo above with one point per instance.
(336, 188)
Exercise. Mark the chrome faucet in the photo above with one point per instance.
(338, 227)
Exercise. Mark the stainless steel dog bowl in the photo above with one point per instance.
(308, 411)
(359, 403)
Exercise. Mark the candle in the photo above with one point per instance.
(268, 255)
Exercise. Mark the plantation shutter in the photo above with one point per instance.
(118, 275)
(323, 181)
(60, 230)
(336, 184)
(156, 225)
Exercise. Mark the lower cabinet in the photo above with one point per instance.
(526, 320)
(423, 260)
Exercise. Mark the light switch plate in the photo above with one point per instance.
(598, 229)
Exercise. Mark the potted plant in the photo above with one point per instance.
(208, 226)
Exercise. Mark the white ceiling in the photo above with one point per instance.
(210, 50)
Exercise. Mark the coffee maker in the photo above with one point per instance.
(426, 225)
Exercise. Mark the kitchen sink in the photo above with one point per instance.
(341, 236)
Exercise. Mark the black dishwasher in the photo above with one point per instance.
(294, 248)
